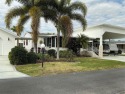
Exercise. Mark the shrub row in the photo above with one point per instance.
(19, 56)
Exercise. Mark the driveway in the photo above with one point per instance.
(7, 70)
(96, 82)
(117, 58)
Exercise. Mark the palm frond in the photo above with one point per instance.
(66, 28)
(24, 2)
(19, 29)
(8, 2)
(83, 40)
(79, 6)
(23, 19)
(80, 19)
(14, 13)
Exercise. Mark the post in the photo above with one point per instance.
(55, 42)
(101, 48)
(43, 51)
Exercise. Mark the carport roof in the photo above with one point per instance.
(106, 30)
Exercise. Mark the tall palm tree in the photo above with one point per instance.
(62, 12)
(29, 9)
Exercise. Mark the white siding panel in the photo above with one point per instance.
(0, 47)
(7, 46)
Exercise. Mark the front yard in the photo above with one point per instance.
(81, 64)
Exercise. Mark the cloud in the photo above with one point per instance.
(99, 11)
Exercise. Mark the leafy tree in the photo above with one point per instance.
(62, 13)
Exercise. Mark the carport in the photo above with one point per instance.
(102, 32)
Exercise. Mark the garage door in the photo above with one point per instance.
(7, 47)
(0, 47)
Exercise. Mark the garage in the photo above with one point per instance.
(7, 41)
(0, 47)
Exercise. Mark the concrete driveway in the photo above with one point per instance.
(96, 82)
(117, 58)
(7, 70)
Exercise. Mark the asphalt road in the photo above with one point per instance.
(96, 82)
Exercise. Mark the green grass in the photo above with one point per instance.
(82, 64)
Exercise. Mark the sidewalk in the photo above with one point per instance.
(7, 70)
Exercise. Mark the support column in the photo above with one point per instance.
(55, 42)
(101, 48)
(92, 46)
(17, 42)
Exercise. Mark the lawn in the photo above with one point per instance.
(81, 64)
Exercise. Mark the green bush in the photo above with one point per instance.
(18, 56)
(52, 52)
(31, 57)
(68, 55)
(46, 57)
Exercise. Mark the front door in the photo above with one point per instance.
(0, 47)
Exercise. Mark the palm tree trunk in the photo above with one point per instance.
(35, 47)
(58, 41)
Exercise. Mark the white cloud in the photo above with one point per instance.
(99, 11)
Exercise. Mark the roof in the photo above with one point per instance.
(9, 32)
(103, 29)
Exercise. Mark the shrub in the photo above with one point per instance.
(46, 57)
(18, 56)
(74, 45)
(31, 57)
(52, 53)
(69, 55)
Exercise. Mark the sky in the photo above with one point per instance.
(99, 12)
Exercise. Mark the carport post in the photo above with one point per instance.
(101, 48)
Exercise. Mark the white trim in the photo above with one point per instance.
(9, 32)
(1, 47)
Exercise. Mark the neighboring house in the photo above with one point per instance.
(49, 39)
(7, 41)
(103, 33)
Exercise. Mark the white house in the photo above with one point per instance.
(49, 39)
(102, 32)
(7, 41)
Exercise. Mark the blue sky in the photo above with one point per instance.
(99, 12)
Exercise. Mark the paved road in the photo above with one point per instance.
(96, 82)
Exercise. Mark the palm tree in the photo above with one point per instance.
(83, 40)
(29, 9)
(62, 12)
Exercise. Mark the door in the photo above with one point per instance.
(7, 47)
(0, 47)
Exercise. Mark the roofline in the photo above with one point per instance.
(7, 31)
(109, 25)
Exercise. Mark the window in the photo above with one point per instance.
(53, 41)
(26, 42)
(48, 42)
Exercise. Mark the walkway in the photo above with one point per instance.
(7, 70)
(117, 58)
(95, 82)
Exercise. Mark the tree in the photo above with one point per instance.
(30, 9)
(62, 14)
(83, 40)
